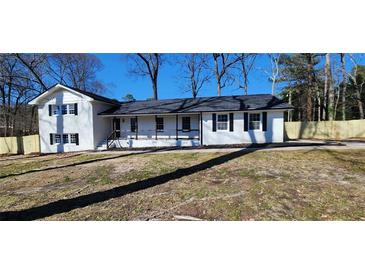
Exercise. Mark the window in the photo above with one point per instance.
(55, 110)
(65, 138)
(73, 138)
(71, 108)
(186, 124)
(133, 124)
(222, 122)
(57, 138)
(159, 124)
(255, 121)
(64, 109)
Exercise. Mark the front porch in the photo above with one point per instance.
(155, 131)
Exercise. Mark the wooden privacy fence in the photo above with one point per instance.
(19, 145)
(336, 130)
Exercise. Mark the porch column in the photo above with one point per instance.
(201, 129)
(155, 127)
(113, 126)
(136, 127)
(177, 127)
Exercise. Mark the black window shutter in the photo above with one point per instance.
(50, 110)
(76, 112)
(214, 118)
(51, 138)
(77, 139)
(264, 121)
(245, 121)
(231, 122)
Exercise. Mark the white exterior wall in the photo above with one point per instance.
(102, 125)
(90, 127)
(147, 127)
(274, 133)
(94, 129)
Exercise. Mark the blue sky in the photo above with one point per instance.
(115, 75)
(119, 82)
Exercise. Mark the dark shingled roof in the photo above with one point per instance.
(202, 104)
(87, 93)
(96, 96)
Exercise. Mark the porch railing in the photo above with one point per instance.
(111, 139)
(192, 134)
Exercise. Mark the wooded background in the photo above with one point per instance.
(321, 87)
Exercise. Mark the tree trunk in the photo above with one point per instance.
(324, 103)
(154, 87)
(273, 86)
(309, 101)
(217, 74)
(336, 104)
(3, 111)
(359, 103)
(319, 106)
(219, 87)
(344, 83)
(32, 116)
(6, 124)
(246, 85)
(290, 113)
(329, 85)
(193, 81)
(194, 88)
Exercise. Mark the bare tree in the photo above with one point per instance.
(344, 85)
(273, 72)
(245, 65)
(194, 71)
(358, 85)
(274, 59)
(223, 63)
(146, 65)
(22, 76)
(336, 79)
(328, 88)
(77, 70)
(35, 64)
(310, 62)
(16, 88)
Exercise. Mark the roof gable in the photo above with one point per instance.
(38, 99)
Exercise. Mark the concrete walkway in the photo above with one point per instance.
(290, 145)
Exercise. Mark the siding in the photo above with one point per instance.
(102, 126)
(274, 133)
(81, 123)
(146, 127)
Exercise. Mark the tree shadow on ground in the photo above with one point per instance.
(79, 163)
(66, 205)
(360, 165)
(151, 150)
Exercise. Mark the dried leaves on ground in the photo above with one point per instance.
(248, 185)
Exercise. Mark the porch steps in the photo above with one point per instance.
(102, 146)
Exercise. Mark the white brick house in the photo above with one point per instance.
(74, 120)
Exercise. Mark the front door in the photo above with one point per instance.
(116, 127)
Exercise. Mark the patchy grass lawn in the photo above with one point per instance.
(259, 185)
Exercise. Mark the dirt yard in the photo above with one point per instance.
(241, 185)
